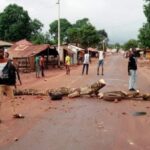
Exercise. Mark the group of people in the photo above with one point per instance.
(132, 66)
(86, 62)
(9, 72)
(39, 66)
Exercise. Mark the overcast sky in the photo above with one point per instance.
(121, 19)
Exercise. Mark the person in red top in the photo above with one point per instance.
(42, 65)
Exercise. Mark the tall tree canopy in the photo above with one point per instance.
(41, 38)
(132, 43)
(64, 24)
(144, 35)
(82, 32)
(85, 34)
(147, 10)
(36, 26)
(15, 24)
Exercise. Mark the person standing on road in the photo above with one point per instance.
(100, 62)
(67, 63)
(16, 69)
(37, 66)
(7, 80)
(132, 70)
(86, 62)
(42, 65)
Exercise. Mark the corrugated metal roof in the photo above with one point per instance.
(75, 49)
(25, 49)
(4, 43)
(92, 49)
(23, 42)
(67, 49)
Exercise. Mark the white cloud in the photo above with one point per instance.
(120, 18)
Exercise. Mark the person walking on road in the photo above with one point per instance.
(67, 63)
(100, 62)
(86, 62)
(132, 70)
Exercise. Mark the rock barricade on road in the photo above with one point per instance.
(91, 90)
(122, 95)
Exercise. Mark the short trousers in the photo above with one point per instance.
(8, 90)
(100, 62)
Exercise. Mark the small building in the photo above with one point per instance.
(147, 53)
(76, 53)
(24, 52)
(5, 45)
(93, 52)
(63, 52)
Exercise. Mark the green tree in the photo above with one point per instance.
(89, 36)
(144, 36)
(103, 35)
(81, 33)
(36, 26)
(14, 23)
(40, 38)
(144, 32)
(82, 22)
(64, 24)
(73, 35)
(147, 10)
(131, 44)
(37, 37)
(85, 34)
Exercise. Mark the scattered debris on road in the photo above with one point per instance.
(19, 116)
(124, 113)
(16, 139)
(56, 96)
(140, 113)
(130, 142)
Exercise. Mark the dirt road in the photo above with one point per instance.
(82, 123)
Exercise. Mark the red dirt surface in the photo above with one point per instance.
(82, 123)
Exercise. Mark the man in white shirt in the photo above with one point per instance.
(100, 61)
(86, 62)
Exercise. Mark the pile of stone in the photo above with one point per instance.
(91, 90)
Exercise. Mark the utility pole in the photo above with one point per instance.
(104, 44)
(58, 31)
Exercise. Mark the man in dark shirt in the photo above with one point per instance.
(7, 81)
(132, 68)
